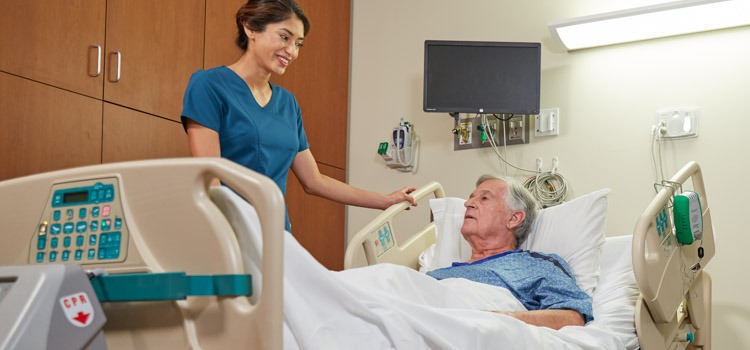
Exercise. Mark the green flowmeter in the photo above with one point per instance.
(383, 148)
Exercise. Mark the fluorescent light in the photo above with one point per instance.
(649, 22)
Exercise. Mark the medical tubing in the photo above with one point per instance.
(494, 145)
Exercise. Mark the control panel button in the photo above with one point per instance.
(66, 242)
(68, 227)
(65, 255)
(79, 254)
(52, 256)
(81, 226)
(56, 215)
(55, 229)
(53, 242)
(41, 243)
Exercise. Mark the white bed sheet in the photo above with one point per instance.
(393, 307)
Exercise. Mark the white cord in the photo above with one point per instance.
(505, 147)
(549, 188)
(658, 165)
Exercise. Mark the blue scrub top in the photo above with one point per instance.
(264, 139)
(537, 280)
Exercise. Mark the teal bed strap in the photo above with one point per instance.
(168, 286)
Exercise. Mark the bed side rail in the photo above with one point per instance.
(378, 243)
(670, 276)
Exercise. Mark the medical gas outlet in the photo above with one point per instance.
(400, 153)
(489, 130)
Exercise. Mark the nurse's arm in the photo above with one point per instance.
(203, 142)
(313, 182)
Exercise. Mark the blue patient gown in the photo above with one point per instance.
(265, 139)
(537, 280)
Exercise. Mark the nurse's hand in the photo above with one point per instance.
(402, 195)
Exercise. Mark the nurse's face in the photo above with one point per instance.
(276, 47)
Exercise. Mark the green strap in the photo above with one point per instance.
(168, 286)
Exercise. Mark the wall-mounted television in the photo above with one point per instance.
(482, 77)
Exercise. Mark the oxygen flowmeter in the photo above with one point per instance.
(400, 153)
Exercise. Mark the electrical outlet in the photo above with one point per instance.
(547, 122)
(517, 130)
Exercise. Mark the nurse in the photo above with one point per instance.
(235, 112)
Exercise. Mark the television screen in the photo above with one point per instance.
(482, 77)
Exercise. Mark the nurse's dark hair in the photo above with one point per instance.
(518, 197)
(257, 14)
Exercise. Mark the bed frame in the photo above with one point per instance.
(172, 226)
(674, 302)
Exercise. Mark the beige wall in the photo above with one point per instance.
(608, 99)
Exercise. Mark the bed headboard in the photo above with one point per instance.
(675, 299)
(378, 244)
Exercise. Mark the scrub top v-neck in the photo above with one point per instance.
(265, 139)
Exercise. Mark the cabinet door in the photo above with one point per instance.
(54, 42)
(152, 49)
(131, 135)
(43, 128)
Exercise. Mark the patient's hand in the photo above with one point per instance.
(554, 319)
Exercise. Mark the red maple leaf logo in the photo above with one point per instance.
(81, 317)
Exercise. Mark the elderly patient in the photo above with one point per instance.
(498, 217)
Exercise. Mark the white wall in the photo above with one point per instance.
(608, 99)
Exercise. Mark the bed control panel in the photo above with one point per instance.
(382, 239)
(83, 223)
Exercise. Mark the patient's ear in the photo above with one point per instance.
(516, 218)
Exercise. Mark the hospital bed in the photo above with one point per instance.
(169, 221)
(142, 219)
(649, 291)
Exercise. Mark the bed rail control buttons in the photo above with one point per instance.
(381, 240)
(82, 222)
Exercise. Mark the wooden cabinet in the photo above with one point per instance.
(58, 52)
(155, 46)
(150, 51)
(146, 136)
(56, 42)
(44, 129)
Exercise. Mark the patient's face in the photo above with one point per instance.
(486, 211)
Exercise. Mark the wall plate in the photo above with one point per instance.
(676, 123)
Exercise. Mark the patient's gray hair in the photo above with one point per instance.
(517, 197)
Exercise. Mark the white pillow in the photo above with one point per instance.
(573, 230)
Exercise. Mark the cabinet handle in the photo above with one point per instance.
(98, 60)
(119, 64)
